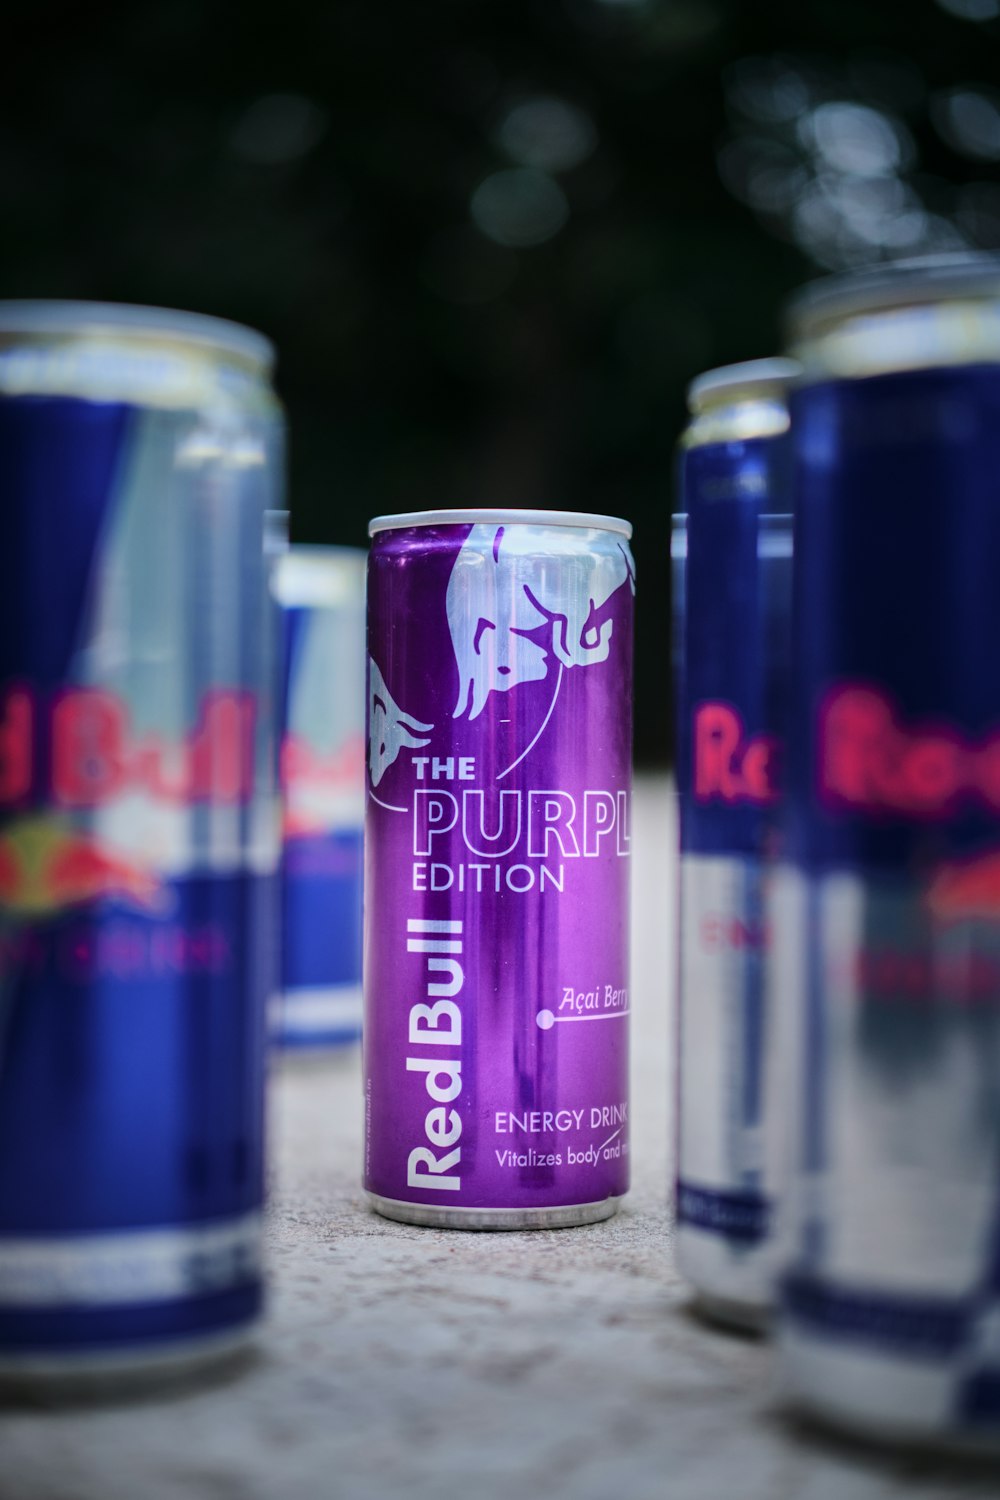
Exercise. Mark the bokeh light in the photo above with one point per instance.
(278, 128)
(547, 133)
(972, 10)
(827, 155)
(854, 140)
(969, 120)
(519, 207)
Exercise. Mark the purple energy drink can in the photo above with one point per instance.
(887, 906)
(735, 597)
(321, 591)
(497, 847)
(139, 449)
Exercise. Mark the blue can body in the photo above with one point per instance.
(137, 852)
(731, 685)
(321, 591)
(900, 530)
(737, 619)
(887, 909)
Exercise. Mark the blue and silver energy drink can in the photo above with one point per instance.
(733, 624)
(887, 909)
(139, 449)
(321, 591)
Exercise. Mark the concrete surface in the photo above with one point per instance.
(436, 1364)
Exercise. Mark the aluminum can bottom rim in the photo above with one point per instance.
(111, 1373)
(861, 1427)
(732, 1313)
(430, 1216)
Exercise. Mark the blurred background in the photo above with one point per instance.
(493, 239)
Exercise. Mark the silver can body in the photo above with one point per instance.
(886, 907)
(731, 590)
(321, 595)
(140, 450)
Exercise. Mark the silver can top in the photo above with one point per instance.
(583, 520)
(737, 403)
(902, 315)
(118, 320)
(914, 282)
(316, 577)
(752, 379)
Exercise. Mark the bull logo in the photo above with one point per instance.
(390, 729)
(46, 866)
(966, 889)
(513, 607)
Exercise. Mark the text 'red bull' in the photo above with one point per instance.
(95, 756)
(869, 759)
(437, 1025)
(729, 765)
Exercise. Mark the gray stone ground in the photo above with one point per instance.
(436, 1364)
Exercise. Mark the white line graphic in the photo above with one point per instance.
(387, 805)
(541, 729)
(545, 1019)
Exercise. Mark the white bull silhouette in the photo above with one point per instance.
(389, 728)
(508, 582)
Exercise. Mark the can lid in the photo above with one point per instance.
(913, 282)
(275, 532)
(745, 381)
(48, 318)
(679, 535)
(319, 577)
(578, 518)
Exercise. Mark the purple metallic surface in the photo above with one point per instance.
(523, 952)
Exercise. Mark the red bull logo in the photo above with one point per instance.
(870, 759)
(510, 614)
(94, 755)
(315, 785)
(390, 730)
(46, 866)
(340, 771)
(967, 888)
(729, 765)
(513, 618)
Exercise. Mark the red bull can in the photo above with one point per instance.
(732, 572)
(139, 451)
(498, 835)
(321, 591)
(886, 912)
